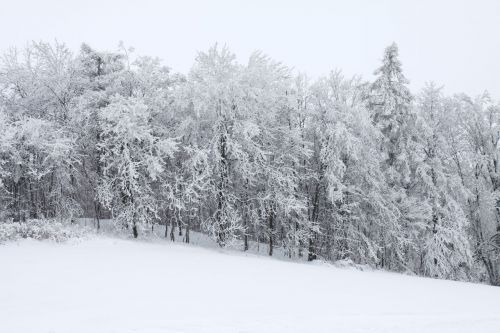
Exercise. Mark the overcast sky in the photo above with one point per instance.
(455, 43)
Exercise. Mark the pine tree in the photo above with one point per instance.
(392, 113)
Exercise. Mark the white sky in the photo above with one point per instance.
(455, 43)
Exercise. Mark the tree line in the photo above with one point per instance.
(337, 168)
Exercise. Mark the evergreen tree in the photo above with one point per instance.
(391, 109)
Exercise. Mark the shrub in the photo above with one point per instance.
(40, 230)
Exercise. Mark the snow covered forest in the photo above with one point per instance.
(335, 168)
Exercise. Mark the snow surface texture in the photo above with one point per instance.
(117, 285)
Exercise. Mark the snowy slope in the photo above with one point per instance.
(113, 285)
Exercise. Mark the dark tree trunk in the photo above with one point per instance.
(166, 224)
(312, 252)
(314, 218)
(245, 219)
(245, 231)
(187, 234)
(221, 217)
(97, 210)
(172, 231)
(271, 232)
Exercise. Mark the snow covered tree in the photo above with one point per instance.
(6, 151)
(473, 140)
(391, 108)
(100, 74)
(442, 237)
(354, 204)
(215, 90)
(133, 160)
(275, 147)
(38, 92)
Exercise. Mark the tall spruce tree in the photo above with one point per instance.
(391, 107)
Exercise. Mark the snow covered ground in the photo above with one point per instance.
(117, 285)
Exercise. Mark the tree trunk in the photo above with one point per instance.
(166, 224)
(271, 233)
(221, 217)
(312, 253)
(245, 219)
(314, 218)
(172, 231)
(97, 209)
(134, 230)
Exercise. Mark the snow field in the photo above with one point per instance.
(105, 285)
